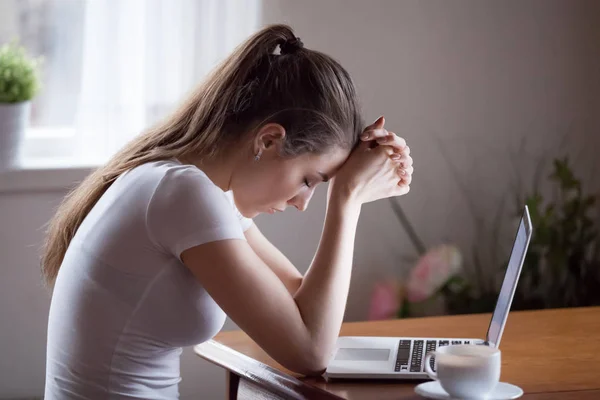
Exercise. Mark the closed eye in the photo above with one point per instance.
(306, 182)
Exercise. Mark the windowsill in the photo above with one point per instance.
(36, 173)
(43, 175)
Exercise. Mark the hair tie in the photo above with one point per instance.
(290, 46)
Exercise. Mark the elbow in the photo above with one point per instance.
(315, 371)
(309, 369)
(313, 363)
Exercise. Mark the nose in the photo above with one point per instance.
(301, 201)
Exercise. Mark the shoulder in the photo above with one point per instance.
(186, 208)
(176, 184)
(170, 170)
(172, 179)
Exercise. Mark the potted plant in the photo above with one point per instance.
(19, 83)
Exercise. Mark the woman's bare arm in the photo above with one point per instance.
(298, 331)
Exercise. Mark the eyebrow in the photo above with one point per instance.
(324, 177)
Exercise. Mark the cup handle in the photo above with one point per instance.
(428, 369)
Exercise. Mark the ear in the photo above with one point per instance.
(269, 137)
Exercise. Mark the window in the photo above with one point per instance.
(112, 67)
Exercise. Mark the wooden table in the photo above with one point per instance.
(550, 354)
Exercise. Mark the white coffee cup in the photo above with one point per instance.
(466, 371)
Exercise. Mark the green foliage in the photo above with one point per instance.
(19, 80)
(562, 267)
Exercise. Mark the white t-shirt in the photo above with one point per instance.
(123, 303)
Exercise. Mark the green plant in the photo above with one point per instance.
(19, 80)
(562, 267)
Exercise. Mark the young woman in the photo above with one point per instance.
(154, 249)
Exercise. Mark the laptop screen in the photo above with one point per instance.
(513, 270)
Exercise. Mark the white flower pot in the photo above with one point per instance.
(14, 118)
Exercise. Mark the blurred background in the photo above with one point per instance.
(498, 100)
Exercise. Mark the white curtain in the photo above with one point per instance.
(141, 57)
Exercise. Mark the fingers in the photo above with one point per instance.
(403, 164)
(403, 160)
(375, 130)
(392, 148)
(406, 180)
(366, 145)
(405, 172)
(377, 133)
(374, 133)
(394, 141)
(378, 124)
(404, 167)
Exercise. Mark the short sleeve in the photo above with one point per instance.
(187, 209)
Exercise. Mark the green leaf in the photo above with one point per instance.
(563, 175)
(19, 79)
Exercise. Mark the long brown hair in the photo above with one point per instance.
(307, 92)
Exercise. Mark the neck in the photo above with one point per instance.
(219, 169)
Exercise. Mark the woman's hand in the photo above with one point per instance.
(378, 168)
(397, 148)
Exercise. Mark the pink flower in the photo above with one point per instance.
(432, 271)
(385, 300)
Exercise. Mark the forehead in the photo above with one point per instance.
(327, 163)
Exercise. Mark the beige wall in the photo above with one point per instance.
(479, 75)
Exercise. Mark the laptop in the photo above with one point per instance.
(361, 357)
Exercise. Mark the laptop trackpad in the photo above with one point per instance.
(351, 354)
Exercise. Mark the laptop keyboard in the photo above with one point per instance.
(403, 355)
(431, 346)
(413, 362)
(417, 356)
